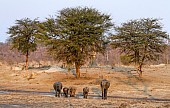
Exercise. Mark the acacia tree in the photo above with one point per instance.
(142, 40)
(76, 32)
(23, 36)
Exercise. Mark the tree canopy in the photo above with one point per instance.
(23, 36)
(142, 40)
(76, 32)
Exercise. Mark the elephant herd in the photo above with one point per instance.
(105, 84)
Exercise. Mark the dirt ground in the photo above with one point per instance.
(18, 89)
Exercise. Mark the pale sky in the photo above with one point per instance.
(120, 10)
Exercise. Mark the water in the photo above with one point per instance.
(4, 92)
(29, 92)
(79, 95)
(14, 105)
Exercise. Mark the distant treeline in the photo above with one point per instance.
(112, 57)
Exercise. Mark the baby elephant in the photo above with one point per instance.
(57, 87)
(72, 91)
(85, 92)
(65, 91)
(105, 84)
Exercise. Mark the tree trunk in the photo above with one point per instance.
(26, 65)
(140, 66)
(77, 70)
(69, 69)
(140, 71)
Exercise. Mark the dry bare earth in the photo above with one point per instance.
(126, 90)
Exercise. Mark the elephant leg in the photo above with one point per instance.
(105, 93)
(59, 93)
(55, 94)
(102, 93)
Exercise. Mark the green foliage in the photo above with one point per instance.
(143, 39)
(75, 32)
(23, 35)
(125, 59)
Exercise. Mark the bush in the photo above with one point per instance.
(125, 59)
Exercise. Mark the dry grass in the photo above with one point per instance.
(34, 89)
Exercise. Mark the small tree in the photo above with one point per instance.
(23, 36)
(75, 33)
(141, 40)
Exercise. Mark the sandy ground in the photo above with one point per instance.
(127, 90)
